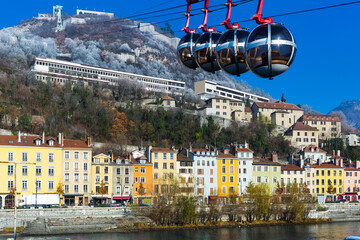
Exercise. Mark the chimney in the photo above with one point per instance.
(302, 163)
(148, 153)
(318, 162)
(59, 139)
(338, 153)
(341, 162)
(274, 157)
(187, 152)
(89, 141)
(19, 136)
(357, 164)
(190, 147)
(43, 137)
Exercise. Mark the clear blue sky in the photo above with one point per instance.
(325, 71)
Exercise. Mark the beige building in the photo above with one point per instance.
(292, 173)
(248, 114)
(168, 101)
(329, 126)
(164, 168)
(225, 108)
(77, 157)
(301, 135)
(280, 118)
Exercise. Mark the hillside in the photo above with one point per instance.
(349, 111)
(112, 44)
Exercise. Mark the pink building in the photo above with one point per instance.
(352, 177)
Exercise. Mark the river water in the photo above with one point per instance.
(327, 231)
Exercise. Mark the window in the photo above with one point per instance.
(10, 185)
(231, 169)
(265, 168)
(51, 157)
(164, 176)
(275, 169)
(10, 156)
(86, 177)
(142, 179)
(118, 171)
(142, 170)
(266, 179)
(164, 166)
(223, 169)
(164, 156)
(155, 176)
(38, 170)
(136, 179)
(155, 156)
(76, 166)
(51, 185)
(231, 179)
(97, 169)
(223, 179)
(24, 156)
(51, 171)
(106, 170)
(76, 155)
(97, 179)
(24, 185)
(258, 179)
(136, 169)
(224, 189)
(76, 177)
(259, 168)
(171, 165)
(106, 179)
(24, 170)
(38, 185)
(67, 155)
(76, 188)
(156, 165)
(38, 156)
(171, 156)
(67, 177)
(274, 179)
(223, 161)
(86, 155)
(85, 166)
(85, 188)
(66, 188)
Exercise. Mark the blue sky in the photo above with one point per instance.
(325, 71)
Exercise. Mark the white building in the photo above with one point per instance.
(246, 158)
(207, 89)
(87, 12)
(205, 173)
(62, 71)
(313, 153)
(351, 139)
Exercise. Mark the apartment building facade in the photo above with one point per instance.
(301, 135)
(329, 126)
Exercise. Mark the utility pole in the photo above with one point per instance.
(15, 194)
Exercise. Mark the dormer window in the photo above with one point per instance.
(38, 142)
(51, 142)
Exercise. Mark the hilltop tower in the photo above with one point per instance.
(57, 11)
(283, 98)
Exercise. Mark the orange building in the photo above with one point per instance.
(143, 178)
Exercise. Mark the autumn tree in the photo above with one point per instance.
(330, 189)
(60, 189)
(120, 127)
(102, 189)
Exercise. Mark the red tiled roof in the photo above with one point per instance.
(247, 109)
(182, 157)
(161, 150)
(265, 162)
(352, 169)
(194, 150)
(300, 126)
(326, 165)
(223, 155)
(315, 149)
(75, 144)
(26, 141)
(337, 157)
(278, 106)
(291, 167)
(165, 97)
(243, 150)
(328, 118)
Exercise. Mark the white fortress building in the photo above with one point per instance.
(60, 71)
(207, 89)
(87, 12)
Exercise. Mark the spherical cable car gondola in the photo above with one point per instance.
(230, 49)
(270, 47)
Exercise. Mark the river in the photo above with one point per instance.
(326, 231)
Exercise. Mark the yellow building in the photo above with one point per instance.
(77, 157)
(101, 171)
(164, 168)
(228, 175)
(326, 174)
(29, 160)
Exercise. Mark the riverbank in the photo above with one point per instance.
(102, 220)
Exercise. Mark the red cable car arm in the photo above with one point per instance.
(258, 16)
(204, 25)
(188, 15)
(227, 23)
